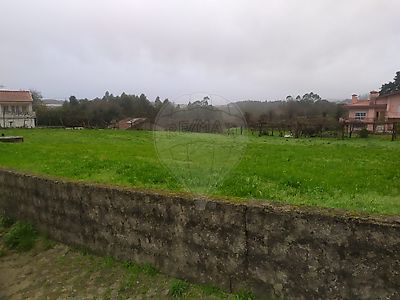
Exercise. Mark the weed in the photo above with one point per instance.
(178, 288)
(47, 243)
(108, 262)
(82, 250)
(149, 270)
(244, 295)
(210, 290)
(6, 222)
(132, 267)
(2, 252)
(107, 294)
(21, 237)
(128, 283)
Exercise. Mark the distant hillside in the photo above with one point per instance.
(288, 109)
(52, 102)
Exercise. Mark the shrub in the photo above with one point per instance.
(178, 288)
(21, 237)
(363, 133)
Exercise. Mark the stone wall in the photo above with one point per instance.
(276, 251)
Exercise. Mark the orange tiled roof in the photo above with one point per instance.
(15, 96)
(359, 103)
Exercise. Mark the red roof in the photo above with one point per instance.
(358, 104)
(15, 96)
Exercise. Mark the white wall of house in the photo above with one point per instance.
(14, 115)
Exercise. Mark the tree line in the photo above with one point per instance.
(96, 113)
(102, 112)
(308, 106)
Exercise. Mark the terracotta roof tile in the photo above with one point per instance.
(358, 103)
(15, 96)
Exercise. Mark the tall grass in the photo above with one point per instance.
(354, 174)
(21, 236)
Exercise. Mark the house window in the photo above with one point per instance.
(360, 115)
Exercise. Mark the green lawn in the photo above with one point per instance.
(356, 174)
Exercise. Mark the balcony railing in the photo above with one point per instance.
(10, 115)
(393, 115)
(374, 120)
(362, 120)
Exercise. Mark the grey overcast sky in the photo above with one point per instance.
(240, 49)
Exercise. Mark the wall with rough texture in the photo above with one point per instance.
(277, 251)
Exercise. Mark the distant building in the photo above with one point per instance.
(377, 113)
(16, 109)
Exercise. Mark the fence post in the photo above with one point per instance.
(394, 131)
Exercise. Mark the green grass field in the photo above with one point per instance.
(357, 174)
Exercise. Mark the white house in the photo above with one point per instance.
(16, 109)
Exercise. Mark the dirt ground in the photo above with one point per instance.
(55, 271)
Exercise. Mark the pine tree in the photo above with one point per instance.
(392, 86)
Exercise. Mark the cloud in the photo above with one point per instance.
(239, 49)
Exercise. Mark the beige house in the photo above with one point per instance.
(16, 109)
